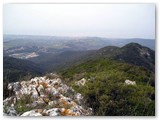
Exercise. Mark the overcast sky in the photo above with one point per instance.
(101, 20)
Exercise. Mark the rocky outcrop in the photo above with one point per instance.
(31, 113)
(43, 96)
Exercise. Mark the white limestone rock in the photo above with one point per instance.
(81, 82)
(34, 93)
(129, 82)
(78, 97)
(53, 112)
(46, 92)
(11, 111)
(31, 113)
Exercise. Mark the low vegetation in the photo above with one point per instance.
(21, 105)
(106, 92)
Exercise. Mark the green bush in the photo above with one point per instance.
(21, 104)
(106, 91)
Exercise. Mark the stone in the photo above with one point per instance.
(16, 86)
(33, 81)
(40, 88)
(49, 92)
(39, 110)
(11, 111)
(40, 101)
(24, 90)
(46, 100)
(56, 82)
(31, 113)
(10, 86)
(129, 82)
(78, 97)
(5, 102)
(53, 112)
(81, 82)
(51, 103)
(55, 92)
(34, 93)
(4, 114)
(34, 104)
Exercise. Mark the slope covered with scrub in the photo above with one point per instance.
(107, 91)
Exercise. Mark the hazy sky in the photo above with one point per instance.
(103, 20)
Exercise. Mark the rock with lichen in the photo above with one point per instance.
(129, 82)
(44, 96)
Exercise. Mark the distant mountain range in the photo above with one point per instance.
(132, 53)
(71, 43)
(53, 52)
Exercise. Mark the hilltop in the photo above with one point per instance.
(44, 96)
(133, 53)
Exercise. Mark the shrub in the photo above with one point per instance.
(21, 104)
(107, 94)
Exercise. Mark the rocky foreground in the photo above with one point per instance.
(44, 96)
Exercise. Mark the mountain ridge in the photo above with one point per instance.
(61, 41)
(132, 53)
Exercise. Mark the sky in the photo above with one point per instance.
(101, 20)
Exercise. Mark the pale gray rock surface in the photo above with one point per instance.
(42, 96)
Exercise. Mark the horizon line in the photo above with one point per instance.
(72, 36)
